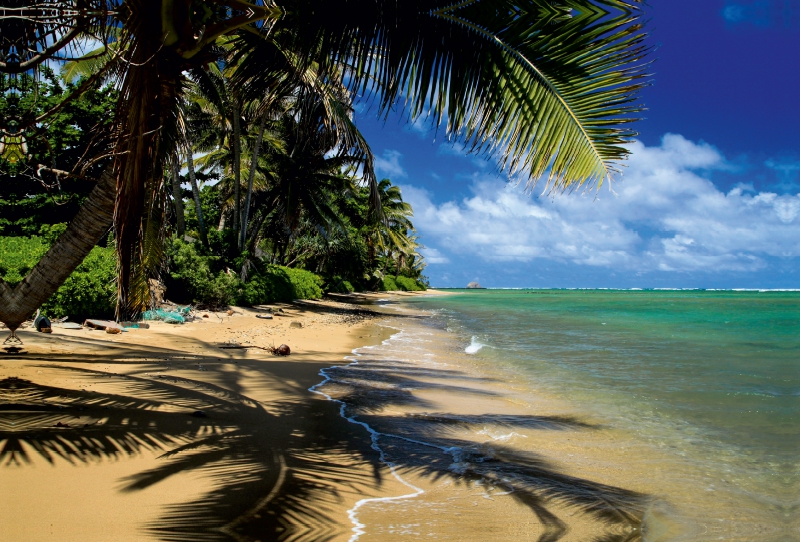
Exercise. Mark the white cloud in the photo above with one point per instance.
(433, 256)
(663, 216)
(388, 165)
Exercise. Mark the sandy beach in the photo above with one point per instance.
(161, 434)
(168, 433)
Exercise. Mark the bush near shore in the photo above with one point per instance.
(90, 291)
(191, 278)
(401, 283)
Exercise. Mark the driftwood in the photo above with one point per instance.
(282, 350)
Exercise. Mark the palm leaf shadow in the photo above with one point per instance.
(263, 474)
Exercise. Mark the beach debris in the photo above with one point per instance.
(135, 325)
(177, 316)
(230, 312)
(101, 324)
(205, 316)
(42, 323)
(282, 350)
(199, 414)
(157, 291)
(296, 324)
(264, 316)
(59, 424)
(113, 330)
(67, 325)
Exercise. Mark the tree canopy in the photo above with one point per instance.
(258, 97)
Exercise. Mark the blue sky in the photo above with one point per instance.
(710, 197)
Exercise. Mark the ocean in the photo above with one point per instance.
(658, 414)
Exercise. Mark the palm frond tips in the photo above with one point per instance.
(548, 87)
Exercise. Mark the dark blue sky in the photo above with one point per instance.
(726, 79)
(727, 72)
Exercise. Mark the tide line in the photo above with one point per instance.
(358, 527)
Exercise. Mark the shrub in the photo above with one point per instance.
(305, 284)
(278, 283)
(201, 280)
(194, 278)
(408, 284)
(388, 284)
(339, 286)
(51, 232)
(90, 291)
(400, 283)
(18, 255)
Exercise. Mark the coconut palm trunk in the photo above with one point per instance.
(250, 178)
(86, 229)
(237, 161)
(201, 223)
(178, 199)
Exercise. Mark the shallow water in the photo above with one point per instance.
(682, 405)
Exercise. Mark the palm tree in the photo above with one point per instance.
(391, 233)
(547, 86)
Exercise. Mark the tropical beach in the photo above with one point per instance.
(368, 270)
(169, 433)
(389, 420)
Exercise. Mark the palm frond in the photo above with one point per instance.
(545, 86)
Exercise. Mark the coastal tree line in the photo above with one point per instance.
(251, 106)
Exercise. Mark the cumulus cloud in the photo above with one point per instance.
(388, 165)
(663, 216)
(433, 256)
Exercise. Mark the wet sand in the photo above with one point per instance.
(490, 453)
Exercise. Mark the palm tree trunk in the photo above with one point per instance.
(237, 174)
(178, 198)
(221, 225)
(195, 193)
(250, 178)
(84, 232)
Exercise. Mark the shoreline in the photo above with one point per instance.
(379, 426)
(159, 434)
(445, 426)
(501, 434)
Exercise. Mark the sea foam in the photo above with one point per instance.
(474, 347)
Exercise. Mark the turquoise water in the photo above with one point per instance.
(711, 375)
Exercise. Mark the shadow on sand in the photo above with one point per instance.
(268, 461)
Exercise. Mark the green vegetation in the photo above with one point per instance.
(311, 226)
(259, 113)
(208, 281)
(18, 255)
(88, 292)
